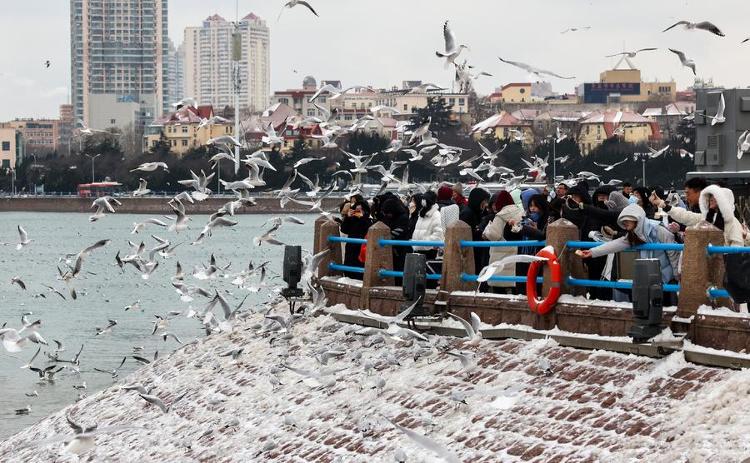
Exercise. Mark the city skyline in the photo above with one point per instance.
(405, 35)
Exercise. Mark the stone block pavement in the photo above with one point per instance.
(517, 401)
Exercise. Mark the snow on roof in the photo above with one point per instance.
(502, 119)
(524, 401)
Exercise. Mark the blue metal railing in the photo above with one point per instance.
(642, 247)
(501, 244)
(346, 268)
(341, 239)
(397, 274)
(425, 244)
(669, 288)
(499, 278)
(727, 249)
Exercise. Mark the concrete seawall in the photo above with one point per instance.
(151, 205)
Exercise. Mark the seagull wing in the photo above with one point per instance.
(470, 332)
(450, 39)
(309, 7)
(429, 444)
(710, 27)
(678, 23)
(22, 234)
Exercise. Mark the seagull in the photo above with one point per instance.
(181, 221)
(429, 444)
(227, 140)
(114, 372)
(451, 51)
(47, 64)
(631, 54)
(575, 29)
(82, 440)
(154, 400)
(743, 144)
(719, 118)
(497, 266)
(23, 238)
(103, 205)
(185, 102)
(15, 340)
(151, 167)
(292, 3)
(655, 154)
(107, 329)
(304, 161)
(421, 131)
(217, 222)
(703, 25)
(533, 70)
(689, 63)
(18, 281)
(608, 167)
(472, 329)
(139, 226)
(142, 190)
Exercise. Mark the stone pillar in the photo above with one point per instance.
(323, 229)
(378, 258)
(559, 233)
(699, 270)
(457, 260)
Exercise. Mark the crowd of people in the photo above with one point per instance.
(620, 218)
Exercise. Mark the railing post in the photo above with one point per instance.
(699, 270)
(323, 229)
(559, 233)
(378, 258)
(457, 260)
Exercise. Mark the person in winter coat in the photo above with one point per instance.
(716, 207)
(355, 224)
(429, 227)
(414, 205)
(506, 210)
(641, 195)
(532, 228)
(394, 213)
(641, 230)
(445, 196)
(472, 215)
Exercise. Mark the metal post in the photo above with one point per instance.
(236, 58)
(554, 161)
(218, 176)
(643, 163)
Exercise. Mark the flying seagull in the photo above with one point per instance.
(292, 3)
(575, 29)
(451, 50)
(687, 62)
(704, 25)
(631, 54)
(533, 70)
(23, 238)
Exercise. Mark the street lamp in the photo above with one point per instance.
(643, 157)
(92, 164)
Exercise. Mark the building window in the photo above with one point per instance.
(452, 101)
(522, 90)
(347, 117)
(113, 121)
(311, 112)
(6, 146)
(461, 101)
(184, 129)
(406, 108)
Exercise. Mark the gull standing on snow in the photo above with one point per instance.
(472, 329)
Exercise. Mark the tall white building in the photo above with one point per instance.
(119, 61)
(208, 63)
(176, 79)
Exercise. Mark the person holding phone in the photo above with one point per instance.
(355, 224)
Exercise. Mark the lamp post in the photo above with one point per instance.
(92, 164)
(643, 157)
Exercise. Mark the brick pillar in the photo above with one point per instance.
(378, 258)
(323, 229)
(699, 270)
(456, 259)
(559, 233)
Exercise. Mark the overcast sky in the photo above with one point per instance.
(382, 42)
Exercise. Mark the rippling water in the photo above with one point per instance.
(103, 294)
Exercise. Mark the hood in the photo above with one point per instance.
(476, 197)
(581, 189)
(432, 210)
(724, 199)
(619, 201)
(637, 212)
(510, 211)
(526, 197)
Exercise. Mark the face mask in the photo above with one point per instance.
(632, 199)
(535, 216)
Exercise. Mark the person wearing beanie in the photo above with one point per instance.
(444, 196)
(506, 211)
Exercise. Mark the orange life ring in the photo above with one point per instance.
(545, 305)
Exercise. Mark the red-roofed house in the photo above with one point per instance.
(182, 129)
(627, 125)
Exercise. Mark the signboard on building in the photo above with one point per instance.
(599, 92)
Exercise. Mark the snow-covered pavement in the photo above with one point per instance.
(523, 401)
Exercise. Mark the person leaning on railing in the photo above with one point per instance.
(716, 207)
(472, 215)
(506, 210)
(355, 223)
(641, 230)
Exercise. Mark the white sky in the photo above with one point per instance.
(382, 42)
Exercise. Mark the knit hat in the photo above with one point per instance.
(444, 193)
(503, 199)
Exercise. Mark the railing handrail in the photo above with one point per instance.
(502, 244)
(500, 278)
(397, 274)
(346, 268)
(640, 247)
(711, 249)
(422, 243)
(344, 239)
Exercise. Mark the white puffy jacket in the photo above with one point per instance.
(494, 232)
(428, 228)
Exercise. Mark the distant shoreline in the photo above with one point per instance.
(150, 205)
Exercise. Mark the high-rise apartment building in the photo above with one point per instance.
(176, 77)
(119, 61)
(208, 63)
